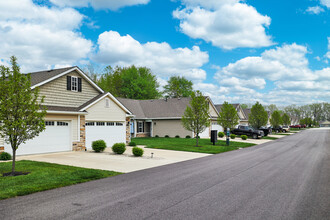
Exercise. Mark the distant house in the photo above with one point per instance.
(325, 123)
(243, 119)
(160, 117)
(247, 112)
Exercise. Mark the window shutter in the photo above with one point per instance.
(79, 84)
(68, 82)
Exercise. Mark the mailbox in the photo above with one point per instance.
(214, 136)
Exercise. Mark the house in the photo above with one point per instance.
(162, 117)
(78, 112)
(247, 112)
(243, 119)
(325, 123)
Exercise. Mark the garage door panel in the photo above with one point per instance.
(54, 139)
(110, 133)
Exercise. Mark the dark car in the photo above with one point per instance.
(277, 129)
(249, 131)
(266, 130)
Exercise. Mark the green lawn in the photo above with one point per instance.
(269, 138)
(189, 144)
(44, 176)
(281, 134)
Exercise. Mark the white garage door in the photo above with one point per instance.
(216, 126)
(205, 134)
(110, 132)
(56, 138)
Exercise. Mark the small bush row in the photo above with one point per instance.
(100, 145)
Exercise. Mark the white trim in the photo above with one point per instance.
(78, 125)
(68, 113)
(113, 98)
(66, 72)
(76, 82)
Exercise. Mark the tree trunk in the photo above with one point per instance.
(197, 140)
(14, 160)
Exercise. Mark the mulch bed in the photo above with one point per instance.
(15, 174)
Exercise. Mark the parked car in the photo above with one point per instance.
(249, 131)
(303, 126)
(277, 129)
(266, 130)
(295, 126)
(285, 128)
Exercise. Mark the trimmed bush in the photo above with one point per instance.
(221, 134)
(5, 156)
(119, 148)
(244, 137)
(167, 136)
(188, 136)
(232, 136)
(177, 136)
(156, 136)
(132, 144)
(138, 152)
(99, 145)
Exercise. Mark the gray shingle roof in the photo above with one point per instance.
(247, 111)
(219, 106)
(38, 77)
(156, 108)
(61, 108)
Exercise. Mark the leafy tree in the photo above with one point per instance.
(307, 121)
(196, 116)
(272, 108)
(178, 87)
(258, 116)
(286, 119)
(228, 117)
(244, 106)
(276, 119)
(129, 82)
(21, 114)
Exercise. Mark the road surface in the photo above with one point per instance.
(285, 179)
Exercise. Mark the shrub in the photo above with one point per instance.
(244, 137)
(5, 156)
(167, 136)
(188, 136)
(138, 152)
(221, 134)
(99, 145)
(133, 144)
(119, 148)
(156, 136)
(177, 136)
(232, 136)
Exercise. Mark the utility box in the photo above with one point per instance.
(214, 136)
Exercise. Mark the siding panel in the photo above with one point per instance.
(169, 127)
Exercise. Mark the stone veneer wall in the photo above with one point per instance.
(143, 135)
(81, 145)
(128, 130)
(2, 149)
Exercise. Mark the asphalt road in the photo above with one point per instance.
(285, 179)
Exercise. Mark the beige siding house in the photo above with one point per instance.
(161, 117)
(243, 118)
(73, 101)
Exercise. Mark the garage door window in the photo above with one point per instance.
(110, 124)
(119, 124)
(62, 123)
(49, 123)
(100, 123)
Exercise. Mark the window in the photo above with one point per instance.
(100, 123)
(62, 123)
(74, 83)
(110, 124)
(50, 123)
(140, 127)
(107, 103)
(119, 124)
(90, 124)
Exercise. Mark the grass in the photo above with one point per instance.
(269, 138)
(282, 134)
(44, 176)
(189, 144)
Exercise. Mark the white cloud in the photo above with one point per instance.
(163, 60)
(315, 10)
(326, 3)
(99, 4)
(41, 37)
(227, 24)
(254, 83)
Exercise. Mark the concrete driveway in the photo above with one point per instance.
(120, 163)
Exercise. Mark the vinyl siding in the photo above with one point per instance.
(169, 127)
(99, 112)
(72, 118)
(213, 112)
(2, 142)
(56, 93)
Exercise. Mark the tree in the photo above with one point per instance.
(178, 87)
(21, 114)
(272, 108)
(276, 119)
(196, 116)
(258, 116)
(286, 119)
(244, 106)
(228, 117)
(129, 82)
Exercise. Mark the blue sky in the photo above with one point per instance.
(237, 51)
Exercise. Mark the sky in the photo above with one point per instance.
(271, 51)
